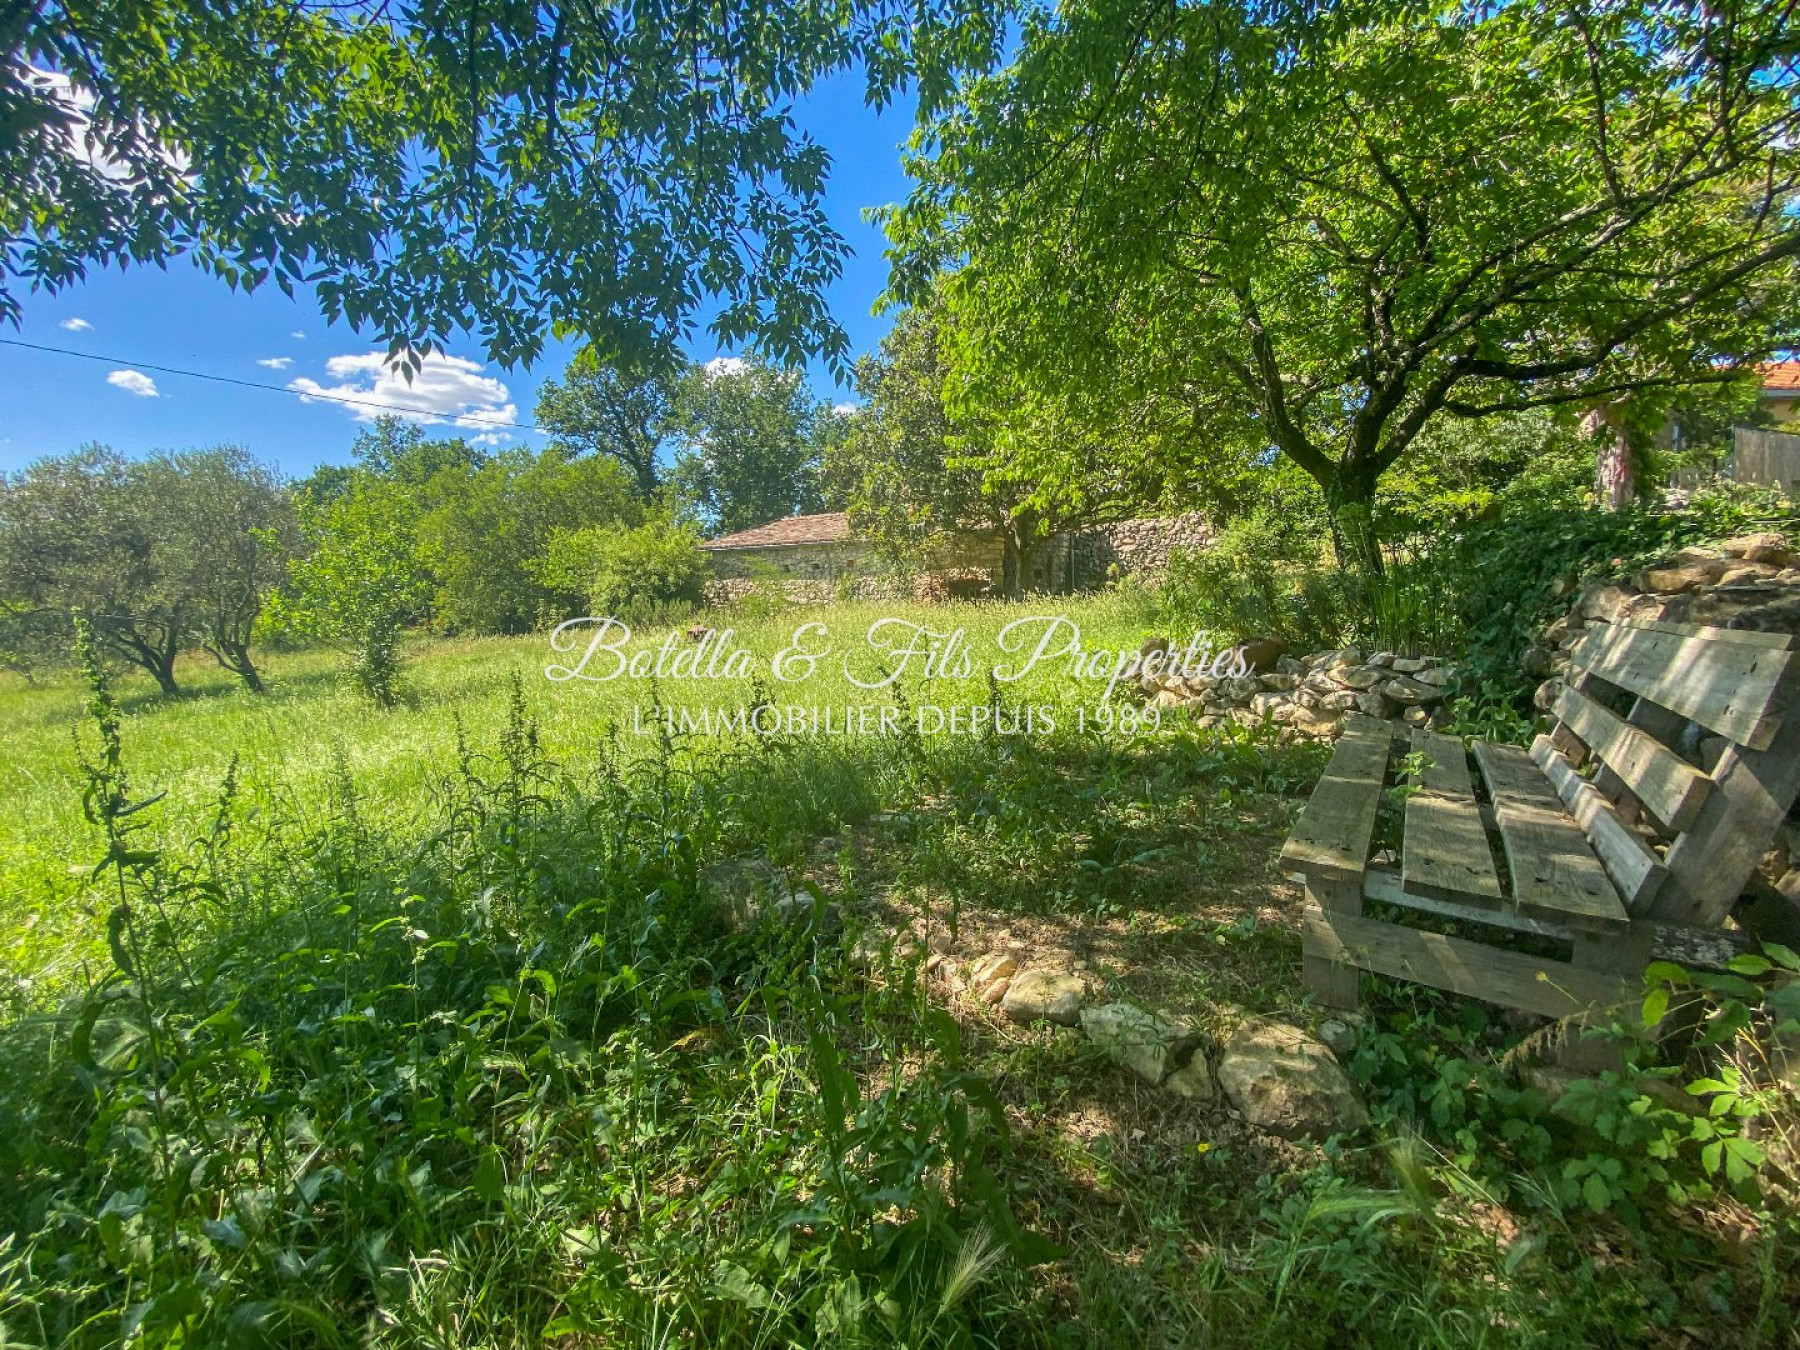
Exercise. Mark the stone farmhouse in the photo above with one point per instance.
(818, 557)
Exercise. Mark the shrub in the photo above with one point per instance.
(654, 571)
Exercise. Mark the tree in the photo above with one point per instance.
(362, 581)
(911, 472)
(636, 574)
(1317, 228)
(603, 169)
(486, 530)
(226, 532)
(600, 411)
(79, 534)
(751, 437)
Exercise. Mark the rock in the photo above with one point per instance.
(1603, 600)
(1308, 722)
(745, 889)
(1565, 627)
(1147, 1043)
(1382, 659)
(1337, 701)
(1344, 656)
(1287, 1083)
(1359, 677)
(1289, 665)
(1242, 689)
(1747, 572)
(1547, 694)
(1338, 1036)
(1404, 690)
(1766, 547)
(1409, 665)
(1710, 750)
(1168, 699)
(1374, 703)
(990, 975)
(1536, 662)
(1193, 1080)
(1262, 653)
(1266, 705)
(1684, 576)
(1277, 682)
(1045, 996)
(1202, 686)
(1415, 717)
(1438, 677)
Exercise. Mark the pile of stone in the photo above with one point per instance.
(1310, 695)
(1751, 582)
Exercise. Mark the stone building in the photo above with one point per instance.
(817, 558)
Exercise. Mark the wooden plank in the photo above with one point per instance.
(1554, 872)
(1708, 947)
(1334, 983)
(1446, 849)
(1781, 642)
(1662, 780)
(1331, 839)
(1711, 863)
(1727, 686)
(1631, 863)
(1474, 969)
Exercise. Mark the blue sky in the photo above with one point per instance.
(181, 318)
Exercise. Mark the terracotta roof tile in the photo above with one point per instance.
(1780, 376)
(827, 528)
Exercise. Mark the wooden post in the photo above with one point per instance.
(1335, 984)
(1625, 954)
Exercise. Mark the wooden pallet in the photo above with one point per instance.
(1605, 834)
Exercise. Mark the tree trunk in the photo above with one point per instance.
(1350, 502)
(1615, 482)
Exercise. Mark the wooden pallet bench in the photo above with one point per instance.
(1607, 835)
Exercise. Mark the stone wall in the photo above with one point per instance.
(1135, 548)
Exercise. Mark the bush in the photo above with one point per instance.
(655, 571)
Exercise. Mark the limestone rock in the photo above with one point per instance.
(1262, 653)
(1359, 677)
(1242, 689)
(1685, 575)
(1547, 694)
(1536, 662)
(1374, 703)
(1338, 1036)
(1277, 682)
(746, 889)
(1267, 705)
(1410, 665)
(1404, 690)
(1604, 601)
(1415, 717)
(1290, 665)
(1438, 677)
(1147, 1043)
(1167, 698)
(1045, 996)
(1287, 1083)
(1766, 547)
(1193, 1080)
(991, 974)
(1344, 656)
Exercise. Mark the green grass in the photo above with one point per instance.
(426, 1032)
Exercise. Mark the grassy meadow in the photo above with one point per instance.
(420, 1027)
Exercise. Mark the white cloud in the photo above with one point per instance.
(133, 382)
(298, 333)
(76, 325)
(725, 365)
(490, 438)
(276, 362)
(73, 105)
(445, 389)
(846, 409)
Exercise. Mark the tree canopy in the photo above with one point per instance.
(1317, 227)
(605, 170)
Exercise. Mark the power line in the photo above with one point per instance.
(466, 419)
